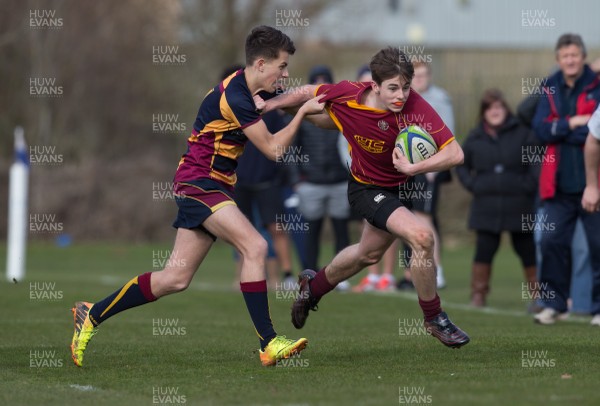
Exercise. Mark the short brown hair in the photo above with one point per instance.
(570, 39)
(489, 97)
(267, 42)
(389, 63)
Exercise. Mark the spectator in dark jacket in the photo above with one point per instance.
(569, 98)
(581, 268)
(503, 185)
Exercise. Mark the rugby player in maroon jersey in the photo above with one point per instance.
(370, 115)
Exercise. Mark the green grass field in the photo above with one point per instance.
(362, 350)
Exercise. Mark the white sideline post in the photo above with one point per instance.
(17, 210)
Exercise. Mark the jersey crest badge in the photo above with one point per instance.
(383, 125)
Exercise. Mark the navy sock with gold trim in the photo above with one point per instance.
(257, 302)
(136, 292)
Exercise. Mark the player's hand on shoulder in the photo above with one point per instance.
(314, 105)
(261, 105)
(401, 163)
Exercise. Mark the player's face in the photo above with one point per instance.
(274, 70)
(495, 114)
(570, 60)
(393, 93)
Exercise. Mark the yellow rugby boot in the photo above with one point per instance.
(84, 331)
(281, 348)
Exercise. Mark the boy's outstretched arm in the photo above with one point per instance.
(273, 146)
(291, 101)
(322, 120)
(291, 98)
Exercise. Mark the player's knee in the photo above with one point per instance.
(180, 285)
(422, 239)
(256, 249)
(167, 281)
(371, 258)
(261, 248)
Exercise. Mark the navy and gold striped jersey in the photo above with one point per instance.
(217, 140)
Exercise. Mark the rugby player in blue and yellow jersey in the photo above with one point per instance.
(203, 187)
(370, 115)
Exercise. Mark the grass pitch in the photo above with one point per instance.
(197, 347)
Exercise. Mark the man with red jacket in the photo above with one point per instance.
(569, 97)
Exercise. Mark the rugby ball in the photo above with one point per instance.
(416, 144)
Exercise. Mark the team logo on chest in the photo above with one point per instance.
(383, 125)
(370, 145)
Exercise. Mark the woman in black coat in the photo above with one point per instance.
(500, 171)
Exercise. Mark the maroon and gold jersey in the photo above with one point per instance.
(371, 133)
(217, 139)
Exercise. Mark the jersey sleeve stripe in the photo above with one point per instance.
(437, 131)
(251, 123)
(446, 143)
